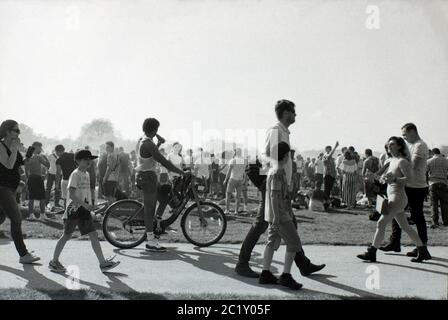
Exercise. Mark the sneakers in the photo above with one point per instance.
(29, 258)
(244, 270)
(267, 277)
(154, 246)
(56, 266)
(286, 280)
(109, 264)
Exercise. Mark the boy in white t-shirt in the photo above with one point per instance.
(78, 214)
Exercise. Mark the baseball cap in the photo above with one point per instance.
(84, 154)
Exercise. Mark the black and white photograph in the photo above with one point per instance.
(226, 154)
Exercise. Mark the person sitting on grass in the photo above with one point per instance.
(279, 215)
(78, 213)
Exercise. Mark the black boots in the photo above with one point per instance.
(370, 255)
(413, 253)
(305, 266)
(394, 246)
(422, 254)
(244, 270)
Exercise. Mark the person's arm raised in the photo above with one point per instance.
(9, 161)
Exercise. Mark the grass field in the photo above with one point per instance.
(337, 227)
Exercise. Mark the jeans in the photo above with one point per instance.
(416, 199)
(51, 180)
(148, 182)
(439, 195)
(328, 185)
(9, 207)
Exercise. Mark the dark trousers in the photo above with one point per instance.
(319, 179)
(258, 228)
(416, 199)
(439, 195)
(9, 208)
(51, 180)
(328, 185)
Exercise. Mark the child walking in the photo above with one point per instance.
(279, 215)
(78, 214)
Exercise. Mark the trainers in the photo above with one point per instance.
(286, 280)
(29, 258)
(56, 266)
(154, 246)
(109, 265)
(267, 277)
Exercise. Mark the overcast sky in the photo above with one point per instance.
(226, 63)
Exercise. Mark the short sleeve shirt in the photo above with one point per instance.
(67, 163)
(418, 150)
(114, 165)
(329, 166)
(81, 182)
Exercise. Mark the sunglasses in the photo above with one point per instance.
(16, 131)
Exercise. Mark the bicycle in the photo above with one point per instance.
(203, 222)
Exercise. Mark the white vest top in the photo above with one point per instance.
(145, 164)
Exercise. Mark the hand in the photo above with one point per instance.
(389, 178)
(15, 143)
(160, 139)
(89, 207)
(337, 144)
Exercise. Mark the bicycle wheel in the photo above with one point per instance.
(208, 232)
(123, 224)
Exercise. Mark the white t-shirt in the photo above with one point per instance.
(275, 135)
(52, 159)
(81, 182)
(238, 169)
(203, 167)
(319, 168)
(418, 150)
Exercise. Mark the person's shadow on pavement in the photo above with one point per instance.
(217, 263)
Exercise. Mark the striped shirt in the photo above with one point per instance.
(438, 170)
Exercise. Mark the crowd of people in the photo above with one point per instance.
(72, 182)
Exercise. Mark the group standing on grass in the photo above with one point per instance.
(405, 168)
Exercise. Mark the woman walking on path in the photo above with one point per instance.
(349, 170)
(10, 163)
(397, 175)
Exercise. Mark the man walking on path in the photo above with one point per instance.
(286, 115)
(416, 189)
(438, 187)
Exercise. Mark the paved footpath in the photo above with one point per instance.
(189, 270)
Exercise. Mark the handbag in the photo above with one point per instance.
(382, 205)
